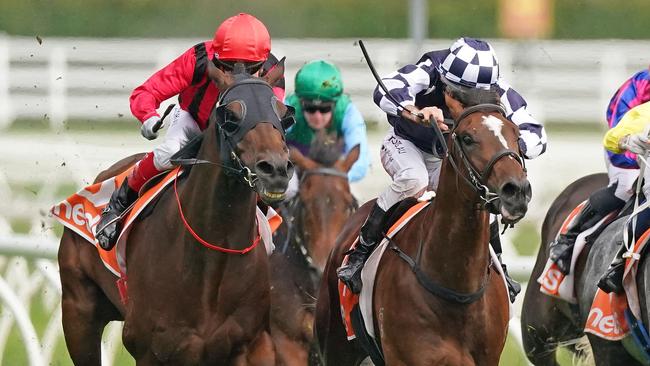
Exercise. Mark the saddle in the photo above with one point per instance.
(396, 212)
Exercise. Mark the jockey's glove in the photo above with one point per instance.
(147, 129)
(636, 143)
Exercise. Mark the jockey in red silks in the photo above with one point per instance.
(241, 38)
(622, 169)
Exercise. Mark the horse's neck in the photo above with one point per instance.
(455, 252)
(219, 207)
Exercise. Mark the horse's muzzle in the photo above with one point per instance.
(273, 178)
(514, 196)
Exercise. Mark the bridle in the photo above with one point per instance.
(295, 222)
(477, 179)
(230, 131)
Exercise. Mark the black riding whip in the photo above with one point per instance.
(158, 124)
(440, 146)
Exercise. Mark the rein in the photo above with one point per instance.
(295, 207)
(244, 173)
(475, 180)
(201, 240)
(231, 131)
(324, 171)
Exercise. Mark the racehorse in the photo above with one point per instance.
(548, 322)
(189, 304)
(455, 306)
(312, 220)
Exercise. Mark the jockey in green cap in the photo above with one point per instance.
(321, 105)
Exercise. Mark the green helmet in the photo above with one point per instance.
(319, 80)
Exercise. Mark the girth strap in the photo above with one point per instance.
(433, 288)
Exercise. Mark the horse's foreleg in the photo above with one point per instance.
(261, 352)
(544, 326)
(290, 352)
(330, 333)
(86, 310)
(607, 353)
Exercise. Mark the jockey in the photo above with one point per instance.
(321, 105)
(406, 152)
(622, 170)
(630, 135)
(241, 38)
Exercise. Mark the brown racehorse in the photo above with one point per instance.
(417, 322)
(313, 219)
(188, 304)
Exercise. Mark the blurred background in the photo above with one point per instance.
(67, 68)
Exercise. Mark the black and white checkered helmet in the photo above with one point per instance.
(471, 63)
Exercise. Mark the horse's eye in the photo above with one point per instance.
(230, 127)
(467, 140)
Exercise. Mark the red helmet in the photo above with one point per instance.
(242, 38)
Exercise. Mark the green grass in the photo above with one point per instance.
(526, 238)
(15, 353)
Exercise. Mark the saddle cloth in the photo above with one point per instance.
(552, 281)
(81, 212)
(349, 300)
(607, 317)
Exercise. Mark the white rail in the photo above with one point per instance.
(91, 79)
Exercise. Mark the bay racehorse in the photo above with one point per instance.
(312, 220)
(548, 322)
(416, 321)
(189, 304)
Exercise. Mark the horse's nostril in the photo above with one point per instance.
(290, 168)
(509, 189)
(264, 167)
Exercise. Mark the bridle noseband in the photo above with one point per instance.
(477, 179)
(294, 224)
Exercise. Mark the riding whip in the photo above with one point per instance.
(440, 146)
(158, 124)
(643, 165)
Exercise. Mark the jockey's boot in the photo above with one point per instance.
(350, 274)
(109, 225)
(514, 288)
(612, 279)
(561, 249)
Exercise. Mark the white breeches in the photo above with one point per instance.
(180, 129)
(625, 179)
(411, 169)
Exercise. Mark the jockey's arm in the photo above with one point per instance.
(354, 133)
(631, 132)
(532, 135)
(404, 84)
(164, 84)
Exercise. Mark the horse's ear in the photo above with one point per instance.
(276, 73)
(351, 158)
(222, 79)
(300, 160)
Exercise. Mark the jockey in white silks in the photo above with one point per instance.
(406, 152)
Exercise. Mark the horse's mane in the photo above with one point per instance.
(325, 149)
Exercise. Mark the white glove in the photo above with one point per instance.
(637, 143)
(147, 128)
